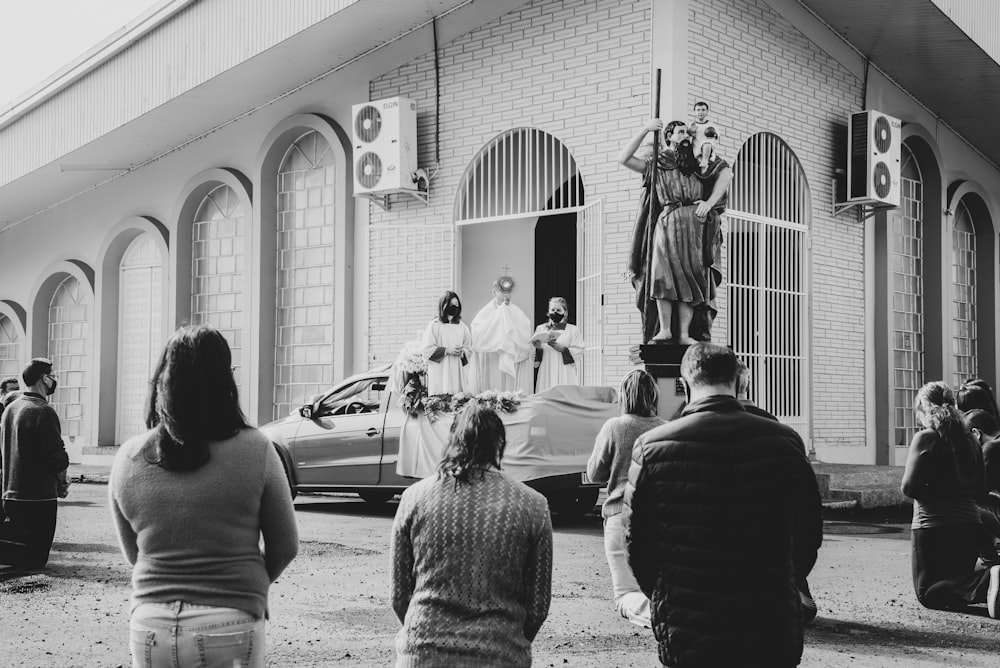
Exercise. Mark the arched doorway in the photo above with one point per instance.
(140, 317)
(520, 208)
(766, 264)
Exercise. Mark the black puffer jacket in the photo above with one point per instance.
(721, 510)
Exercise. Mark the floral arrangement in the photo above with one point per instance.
(410, 381)
(415, 401)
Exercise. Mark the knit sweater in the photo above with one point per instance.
(471, 572)
(613, 454)
(33, 451)
(194, 536)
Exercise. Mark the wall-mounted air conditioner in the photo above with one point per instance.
(385, 147)
(873, 144)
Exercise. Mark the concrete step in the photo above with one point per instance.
(864, 485)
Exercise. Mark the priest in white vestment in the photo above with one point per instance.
(501, 344)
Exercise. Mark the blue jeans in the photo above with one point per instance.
(179, 635)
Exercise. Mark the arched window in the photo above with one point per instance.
(217, 263)
(10, 348)
(69, 343)
(907, 299)
(304, 302)
(768, 220)
(963, 305)
(140, 326)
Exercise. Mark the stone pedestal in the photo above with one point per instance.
(663, 362)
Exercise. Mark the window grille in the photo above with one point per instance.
(963, 303)
(766, 276)
(907, 299)
(519, 173)
(69, 347)
(10, 348)
(304, 299)
(217, 265)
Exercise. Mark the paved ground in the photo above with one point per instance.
(331, 608)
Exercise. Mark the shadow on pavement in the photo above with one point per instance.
(836, 632)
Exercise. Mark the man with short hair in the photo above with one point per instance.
(722, 519)
(34, 469)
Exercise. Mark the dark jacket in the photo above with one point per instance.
(722, 512)
(33, 451)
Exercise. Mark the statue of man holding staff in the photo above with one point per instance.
(675, 254)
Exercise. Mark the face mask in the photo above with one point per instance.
(452, 310)
(50, 390)
(555, 316)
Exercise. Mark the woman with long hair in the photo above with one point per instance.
(471, 556)
(944, 477)
(447, 345)
(192, 499)
(609, 463)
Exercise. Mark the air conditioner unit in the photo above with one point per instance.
(385, 146)
(873, 143)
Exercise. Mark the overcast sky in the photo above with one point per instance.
(40, 37)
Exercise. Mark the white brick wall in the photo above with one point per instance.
(760, 74)
(577, 69)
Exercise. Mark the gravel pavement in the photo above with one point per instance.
(330, 608)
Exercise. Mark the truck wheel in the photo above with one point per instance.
(376, 497)
(574, 502)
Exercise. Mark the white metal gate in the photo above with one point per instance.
(766, 293)
(590, 319)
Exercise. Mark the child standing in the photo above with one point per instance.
(703, 135)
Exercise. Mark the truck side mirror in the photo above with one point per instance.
(306, 411)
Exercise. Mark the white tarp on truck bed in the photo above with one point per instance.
(551, 433)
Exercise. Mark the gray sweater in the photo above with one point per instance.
(194, 535)
(613, 453)
(471, 572)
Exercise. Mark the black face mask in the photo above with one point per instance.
(556, 317)
(51, 390)
(451, 311)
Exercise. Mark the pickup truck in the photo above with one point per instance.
(347, 440)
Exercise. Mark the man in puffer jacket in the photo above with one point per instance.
(722, 514)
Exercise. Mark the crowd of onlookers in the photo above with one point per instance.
(205, 517)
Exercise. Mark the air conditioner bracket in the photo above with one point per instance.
(382, 198)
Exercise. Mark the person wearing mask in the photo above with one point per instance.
(609, 464)
(34, 470)
(713, 478)
(471, 556)
(203, 512)
(558, 346)
(447, 345)
(944, 476)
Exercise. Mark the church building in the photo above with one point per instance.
(310, 177)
